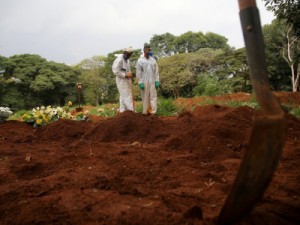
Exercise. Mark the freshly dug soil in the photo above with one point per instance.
(135, 169)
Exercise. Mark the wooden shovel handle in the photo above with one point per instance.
(243, 4)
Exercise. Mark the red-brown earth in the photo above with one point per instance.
(135, 169)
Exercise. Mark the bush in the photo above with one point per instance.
(208, 86)
(166, 107)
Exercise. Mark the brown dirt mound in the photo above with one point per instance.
(212, 131)
(292, 98)
(179, 172)
(128, 127)
(63, 130)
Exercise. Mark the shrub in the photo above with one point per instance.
(166, 107)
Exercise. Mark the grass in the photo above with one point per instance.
(295, 112)
(209, 101)
(165, 107)
(108, 110)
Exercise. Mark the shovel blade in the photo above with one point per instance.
(256, 169)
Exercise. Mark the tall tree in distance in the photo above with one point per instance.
(167, 44)
(288, 10)
(163, 45)
(93, 79)
(278, 69)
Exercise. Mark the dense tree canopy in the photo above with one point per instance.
(287, 10)
(178, 73)
(38, 81)
(278, 69)
(167, 44)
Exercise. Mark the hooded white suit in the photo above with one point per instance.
(119, 68)
(147, 73)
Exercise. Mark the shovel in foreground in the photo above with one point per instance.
(268, 131)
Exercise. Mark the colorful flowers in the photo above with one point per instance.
(43, 115)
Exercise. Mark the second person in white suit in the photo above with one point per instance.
(148, 80)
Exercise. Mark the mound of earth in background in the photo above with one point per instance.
(135, 169)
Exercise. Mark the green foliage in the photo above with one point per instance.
(207, 86)
(295, 112)
(253, 105)
(278, 62)
(163, 45)
(12, 98)
(18, 114)
(208, 101)
(30, 80)
(138, 107)
(175, 74)
(286, 107)
(216, 41)
(287, 11)
(107, 110)
(167, 44)
(178, 73)
(190, 42)
(166, 107)
(232, 70)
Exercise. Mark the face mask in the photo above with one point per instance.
(150, 53)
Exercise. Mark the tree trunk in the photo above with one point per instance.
(296, 84)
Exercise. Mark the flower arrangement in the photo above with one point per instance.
(5, 112)
(43, 115)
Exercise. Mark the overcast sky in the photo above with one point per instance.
(68, 31)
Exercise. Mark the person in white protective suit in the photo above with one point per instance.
(121, 68)
(148, 80)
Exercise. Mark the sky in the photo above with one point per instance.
(68, 31)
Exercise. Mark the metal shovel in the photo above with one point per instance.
(268, 132)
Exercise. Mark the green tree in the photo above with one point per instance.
(30, 80)
(216, 41)
(175, 74)
(278, 69)
(233, 71)
(178, 73)
(190, 42)
(207, 85)
(282, 51)
(93, 79)
(288, 11)
(163, 45)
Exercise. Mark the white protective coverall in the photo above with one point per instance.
(119, 68)
(147, 73)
